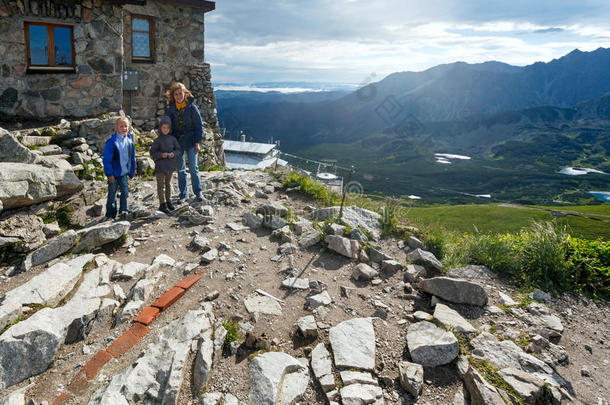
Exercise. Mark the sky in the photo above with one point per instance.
(355, 42)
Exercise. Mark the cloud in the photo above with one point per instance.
(347, 40)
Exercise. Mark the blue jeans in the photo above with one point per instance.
(119, 182)
(193, 170)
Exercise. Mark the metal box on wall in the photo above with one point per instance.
(130, 80)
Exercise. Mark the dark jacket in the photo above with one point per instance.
(191, 130)
(164, 144)
(112, 163)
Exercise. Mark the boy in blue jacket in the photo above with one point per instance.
(119, 164)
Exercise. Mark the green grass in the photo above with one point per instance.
(497, 218)
(233, 333)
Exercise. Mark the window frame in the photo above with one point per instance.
(151, 37)
(51, 67)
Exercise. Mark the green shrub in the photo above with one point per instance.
(233, 333)
(545, 256)
(311, 188)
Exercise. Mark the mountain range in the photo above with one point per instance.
(533, 119)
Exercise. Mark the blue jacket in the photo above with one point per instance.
(191, 131)
(112, 162)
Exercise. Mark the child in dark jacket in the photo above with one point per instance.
(163, 151)
(119, 164)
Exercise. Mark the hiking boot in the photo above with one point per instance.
(170, 206)
(163, 208)
(199, 198)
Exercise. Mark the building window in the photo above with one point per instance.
(141, 38)
(49, 46)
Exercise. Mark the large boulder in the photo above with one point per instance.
(52, 249)
(39, 291)
(157, 375)
(529, 387)
(431, 346)
(277, 379)
(353, 216)
(28, 229)
(481, 392)
(96, 236)
(353, 344)
(29, 347)
(27, 184)
(11, 150)
(455, 290)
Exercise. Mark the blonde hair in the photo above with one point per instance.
(175, 86)
(116, 125)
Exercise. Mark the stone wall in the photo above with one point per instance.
(93, 89)
(178, 45)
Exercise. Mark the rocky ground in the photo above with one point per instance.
(316, 312)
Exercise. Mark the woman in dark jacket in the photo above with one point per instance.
(187, 127)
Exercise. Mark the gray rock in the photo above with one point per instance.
(296, 283)
(414, 273)
(455, 290)
(481, 392)
(273, 222)
(35, 140)
(29, 347)
(79, 158)
(358, 235)
(16, 397)
(195, 219)
(22, 185)
(361, 394)
(318, 300)
(343, 246)
(252, 221)
(377, 256)
(66, 181)
(549, 352)
(320, 361)
(199, 242)
(236, 227)
(202, 364)
(415, 243)
(301, 226)
(99, 235)
(307, 326)
(357, 377)
(506, 354)
(144, 165)
(52, 249)
(411, 377)
(310, 238)
(506, 300)
(364, 272)
(425, 258)
(422, 316)
(353, 216)
(26, 228)
(51, 230)
(431, 346)
(391, 266)
(11, 150)
(472, 272)
(547, 324)
(288, 248)
(529, 387)
(50, 150)
(335, 229)
(256, 303)
(450, 319)
(210, 256)
(39, 291)
(129, 271)
(276, 379)
(541, 296)
(353, 344)
(272, 208)
(157, 374)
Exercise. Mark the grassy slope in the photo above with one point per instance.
(494, 218)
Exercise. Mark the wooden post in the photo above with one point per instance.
(349, 179)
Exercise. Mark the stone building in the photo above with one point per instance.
(76, 58)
